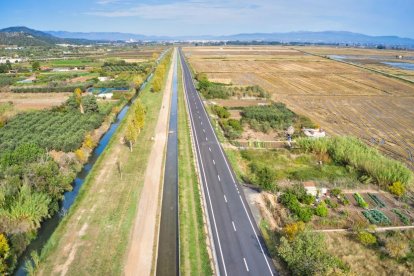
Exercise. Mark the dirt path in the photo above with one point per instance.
(142, 241)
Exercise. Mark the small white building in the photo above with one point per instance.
(311, 189)
(314, 133)
(103, 78)
(105, 96)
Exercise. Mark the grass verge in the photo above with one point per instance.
(194, 259)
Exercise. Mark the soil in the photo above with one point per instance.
(144, 237)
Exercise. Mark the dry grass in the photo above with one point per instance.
(341, 98)
(362, 260)
(32, 101)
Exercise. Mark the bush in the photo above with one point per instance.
(366, 238)
(220, 111)
(397, 188)
(306, 255)
(321, 210)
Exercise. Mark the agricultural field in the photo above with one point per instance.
(49, 126)
(340, 98)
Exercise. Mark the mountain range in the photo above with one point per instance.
(26, 36)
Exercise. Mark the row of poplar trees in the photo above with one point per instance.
(135, 123)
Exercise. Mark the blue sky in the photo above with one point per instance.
(215, 17)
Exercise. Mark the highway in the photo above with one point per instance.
(239, 247)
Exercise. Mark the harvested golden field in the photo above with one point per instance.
(343, 99)
(32, 101)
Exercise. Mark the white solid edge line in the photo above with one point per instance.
(208, 192)
(231, 174)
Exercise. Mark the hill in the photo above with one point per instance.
(23, 36)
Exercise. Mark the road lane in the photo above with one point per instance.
(237, 242)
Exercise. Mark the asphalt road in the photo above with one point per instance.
(239, 247)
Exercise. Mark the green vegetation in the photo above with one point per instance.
(115, 197)
(367, 160)
(376, 217)
(52, 129)
(31, 187)
(135, 123)
(366, 238)
(194, 259)
(297, 166)
(298, 202)
(276, 116)
(160, 71)
(397, 188)
(232, 128)
(263, 118)
(5, 67)
(360, 200)
(220, 111)
(305, 255)
(51, 88)
(322, 210)
(377, 200)
(404, 219)
(211, 90)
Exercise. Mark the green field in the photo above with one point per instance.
(194, 259)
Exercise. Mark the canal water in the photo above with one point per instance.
(48, 226)
(168, 249)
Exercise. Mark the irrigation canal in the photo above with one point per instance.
(168, 242)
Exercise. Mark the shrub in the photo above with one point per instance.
(220, 111)
(291, 230)
(366, 238)
(336, 191)
(306, 255)
(321, 210)
(397, 188)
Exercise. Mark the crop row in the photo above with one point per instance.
(360, 200)
(132, 68)
(404, 219)
(63, 131)
(376, 217)
(377, 200)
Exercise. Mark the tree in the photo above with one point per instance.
(366, 238)
(139, 115)
(305, 255)
(131, 133)
(78, 97)
(321, 210)
(89, 104)
(397, 188)
(80, 155)
(36, 66)
(88, 142)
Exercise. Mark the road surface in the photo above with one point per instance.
(239, 248)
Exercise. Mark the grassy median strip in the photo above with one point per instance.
(93, 237)
(194, 259)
